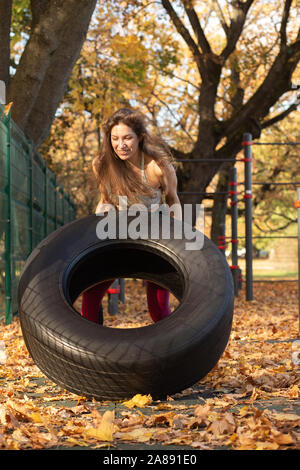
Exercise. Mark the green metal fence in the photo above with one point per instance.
(32, 205)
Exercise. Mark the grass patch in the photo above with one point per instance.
(277, 275)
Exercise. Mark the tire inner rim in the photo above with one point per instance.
(145, 260)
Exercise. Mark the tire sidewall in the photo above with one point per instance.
(203, 317)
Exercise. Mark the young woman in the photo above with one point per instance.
(136, 164)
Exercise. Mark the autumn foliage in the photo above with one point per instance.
(250, 400)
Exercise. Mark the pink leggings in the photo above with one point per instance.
(157, 298)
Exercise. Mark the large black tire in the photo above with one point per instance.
(111, 363)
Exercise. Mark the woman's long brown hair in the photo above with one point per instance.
(115, 176)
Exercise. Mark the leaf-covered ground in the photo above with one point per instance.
(250, 400)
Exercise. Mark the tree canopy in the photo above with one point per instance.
(204, 72)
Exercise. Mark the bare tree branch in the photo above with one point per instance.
(173, 75)
(276, 83)
(235, 29)
(178, 121)
(285, 17)
(184, 33)
(195, 23)
(279, 117)
(271, 229)
(221, 16)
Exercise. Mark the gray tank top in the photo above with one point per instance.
(157, 196)
(147, 200)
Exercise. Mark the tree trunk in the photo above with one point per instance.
(5, 21)
(219, 209)
(46, 63)
(57, 76)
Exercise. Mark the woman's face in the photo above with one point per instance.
(125, 142)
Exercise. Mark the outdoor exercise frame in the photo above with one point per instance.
(247, 144)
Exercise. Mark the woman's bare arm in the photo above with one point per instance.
(102, 206)
(169, 184)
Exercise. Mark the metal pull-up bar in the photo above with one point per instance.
(247, 144)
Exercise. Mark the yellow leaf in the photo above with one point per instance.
(20, 412)
(70, 429)
(294, 392)
(163, 418)
(283, 439)
(36, 417)
(138, 400)
(233, 438)
(77, 442)
(266, 446)
(104, 431)
(138, 435)
(202, 411)
(244, 411)
(224, 425)
(292, 417)
(7, 108)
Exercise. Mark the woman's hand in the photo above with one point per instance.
(102, 207)
(169, 184)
